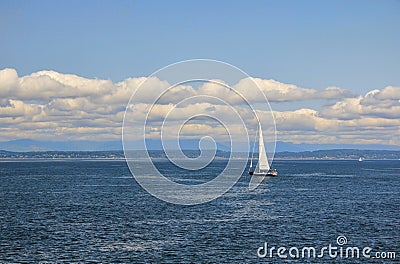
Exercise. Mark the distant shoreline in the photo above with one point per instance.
(333, 154)
(164, 159)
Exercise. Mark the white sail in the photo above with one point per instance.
(263, 164)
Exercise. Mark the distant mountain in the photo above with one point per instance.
(185, 144)
(26, 145)
(340, 154)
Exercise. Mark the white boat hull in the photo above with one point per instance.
(265, 174)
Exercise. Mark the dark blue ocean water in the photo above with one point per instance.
(94, 211)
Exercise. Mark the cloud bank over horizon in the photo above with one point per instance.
(48, 105)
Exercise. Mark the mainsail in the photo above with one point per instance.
(263, 164)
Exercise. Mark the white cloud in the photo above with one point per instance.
(8, 82)
(281, 92)
(377, 103)
(51, 105)
(16, 108)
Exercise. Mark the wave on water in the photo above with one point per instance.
(380, 170)
(131, 246)
(105, 185)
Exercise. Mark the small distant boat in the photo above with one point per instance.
(262, 168)
(361, 159)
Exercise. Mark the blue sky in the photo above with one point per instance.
(329, 68)
(350, 44)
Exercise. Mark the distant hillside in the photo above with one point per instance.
(340, 154)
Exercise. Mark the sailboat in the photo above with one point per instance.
(262, 168)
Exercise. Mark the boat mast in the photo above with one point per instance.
(254, 147)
